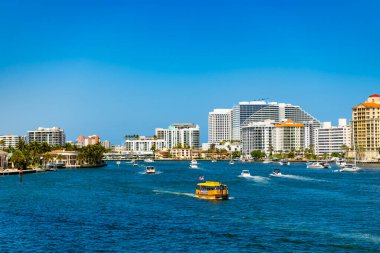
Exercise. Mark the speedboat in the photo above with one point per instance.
(148, 160)
(150, 170)
(118, 163)
(232, 162)
(284, 162)
(350, 168)
(212, 191)
(213, 160)
(193, 161)
(315, 165)
(245, 173)
(194, 166)
(275, 173)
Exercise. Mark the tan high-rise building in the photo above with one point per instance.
(366, 128)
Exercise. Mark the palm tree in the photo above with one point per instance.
(153, 149)
(18, 159)
(2, 143)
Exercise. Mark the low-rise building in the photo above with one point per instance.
(142, 145)
(9, 140)
(69, 158)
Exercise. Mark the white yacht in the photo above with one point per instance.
(284, 162)
(245, 173)
(194, 164)
(315, 165)
(350, 168)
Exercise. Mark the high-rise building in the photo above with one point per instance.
(366, 128)
(83, 141)
(257, 136)
(10, 140)
(280, 112)
(241, 112)
(184, 134)
(52, 136)
(288, 136)
(330, 139)
(219, 125)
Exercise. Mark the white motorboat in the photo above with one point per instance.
(150, 170)
(350, 168)
(118, 163)
(193, 161)
(284, 162)
(245, 173)
(148, 160)
(232, 162)
(276, 173)
(194, 166)
(213, 161)
(315, 165)
(340, 163)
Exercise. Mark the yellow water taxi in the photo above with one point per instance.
(212, 190)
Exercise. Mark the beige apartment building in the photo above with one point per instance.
(366, 128)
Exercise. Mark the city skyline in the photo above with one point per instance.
(125, 68)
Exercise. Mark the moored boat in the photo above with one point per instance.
(350, 168)
(284, 162)
(212, 190)
(315, 165)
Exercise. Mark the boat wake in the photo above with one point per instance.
(176, 193)
(257, 179)
(299, 178)
(157, 172)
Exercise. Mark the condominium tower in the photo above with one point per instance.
(288, 136)
(219, 125)
(10, 140)
(183, 134)
(52, 136)
(366, 128)
(331, 139)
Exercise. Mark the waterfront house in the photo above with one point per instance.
(69, 158)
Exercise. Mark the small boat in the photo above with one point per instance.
(150, 170)
(350, 168)
(148, 160)
(232, 162)
(212, 190)
(340, 163)
(245, 173)
(284, 162)
(315, 165)
(276, 173)
(213, 161)
(194, 166)
(118, 163)
(193, 161)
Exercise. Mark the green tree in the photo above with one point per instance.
(153, 149)
(257, 155)
(236, 154)
(18, 159)
(2, 143)
(291, 155)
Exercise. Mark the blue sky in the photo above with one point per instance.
(118, 67)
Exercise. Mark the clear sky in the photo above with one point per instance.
(117, 67)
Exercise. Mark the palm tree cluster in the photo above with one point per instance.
(92, 154)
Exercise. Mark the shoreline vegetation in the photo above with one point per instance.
(40, 157)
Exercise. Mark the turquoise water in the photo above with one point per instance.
(118, 208)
